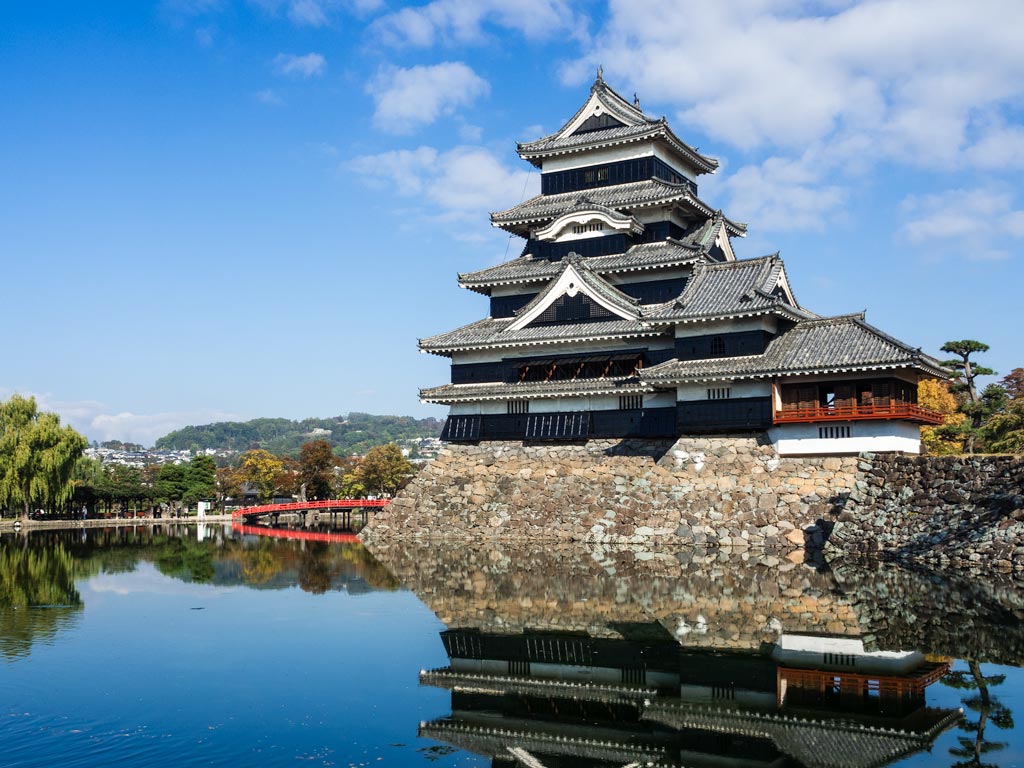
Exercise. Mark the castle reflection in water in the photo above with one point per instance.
(625, 658)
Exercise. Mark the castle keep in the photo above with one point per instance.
(628, 315)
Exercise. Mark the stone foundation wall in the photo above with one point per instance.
(716, 491)
(937, 511)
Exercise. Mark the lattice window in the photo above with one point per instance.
(831, 433)
(717, 346)
(582, 229)
(518, 406)
(719, 393)
(568, 309)
(631, 402)
(840, 660)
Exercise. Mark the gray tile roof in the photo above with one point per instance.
(816, 741)
(646, 256)
(493, 333)
(636, 126)
(525, 269)
(460, 393)
(822, 345)
(635, 194)
(729, 289)
(623, 303)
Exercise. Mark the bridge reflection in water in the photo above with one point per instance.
(609, 659)
(334, 521)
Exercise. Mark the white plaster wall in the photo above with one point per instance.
(706, 328)
(739, 389)
(597, 157)
(518, 288)
(878, 436)
(808, 650)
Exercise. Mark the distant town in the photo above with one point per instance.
(417, 451)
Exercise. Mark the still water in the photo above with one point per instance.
(163, 648)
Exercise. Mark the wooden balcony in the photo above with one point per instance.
(903, 411)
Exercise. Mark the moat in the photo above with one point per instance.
(171, 646)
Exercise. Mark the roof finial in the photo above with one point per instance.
(600, 73)
(636, 100)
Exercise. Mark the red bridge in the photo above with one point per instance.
(302, 508)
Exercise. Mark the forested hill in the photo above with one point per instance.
(355, 433)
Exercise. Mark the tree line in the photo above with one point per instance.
(355, 433)
(989, 421)
(43, 467)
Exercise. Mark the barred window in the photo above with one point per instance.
(719, 393)
(518, 406)
(718, 346)
(631, 402)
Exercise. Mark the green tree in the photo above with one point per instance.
(200, 479)
(37, 456)
(965, 370)
(1004, 432)
(383, 470)
(316, 468)
(977, 408)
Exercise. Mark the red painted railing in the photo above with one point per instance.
(284, 533)
(906, 411)
(303, 506)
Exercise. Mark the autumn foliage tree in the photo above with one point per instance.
(261, 468)
(383, 470)
(935, 396)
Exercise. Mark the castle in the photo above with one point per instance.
(628, 315)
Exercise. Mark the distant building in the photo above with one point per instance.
(628, 315)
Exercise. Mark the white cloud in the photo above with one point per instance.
(973, 222)
(926, 83)
(999, 148)
(782, 194)
(463, 21)
(269, 97)
(309, 65)
(98, 421)
(307, 13)
(459, 183)
(408, 98)
(303, 13)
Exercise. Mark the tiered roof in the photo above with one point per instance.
(494, 333)
(632, 196)
(633, 126)
(477, 392)
(813, 346)
(718, 290)
(526, 269)
(732, 289)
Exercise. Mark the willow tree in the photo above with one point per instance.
(37, 456)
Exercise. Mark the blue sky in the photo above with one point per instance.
(221, 209)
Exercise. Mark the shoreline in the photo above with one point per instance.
(8, 525)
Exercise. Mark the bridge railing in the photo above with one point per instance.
(305, 506)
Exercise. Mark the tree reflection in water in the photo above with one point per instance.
(39, 570)
(37, 595)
